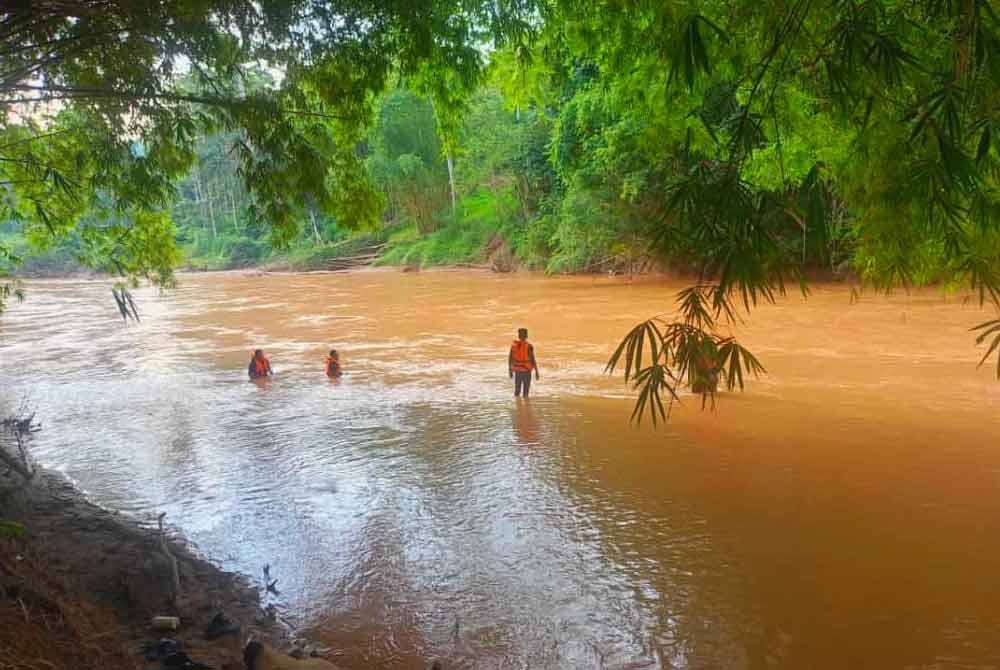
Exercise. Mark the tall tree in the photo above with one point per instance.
(103, 101)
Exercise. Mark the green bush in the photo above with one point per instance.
(11, 529)
(244, 252)
(582, 233)
(482, 216)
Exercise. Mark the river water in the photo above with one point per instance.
(843, 513)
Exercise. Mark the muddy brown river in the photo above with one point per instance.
(842, 513)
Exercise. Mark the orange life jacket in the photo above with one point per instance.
(520, 353)
(261, 366)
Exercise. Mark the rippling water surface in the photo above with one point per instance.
(843, 513)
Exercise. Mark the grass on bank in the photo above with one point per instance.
(487, 223)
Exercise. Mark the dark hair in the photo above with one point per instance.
(333, 352)
(250, 654)
(522, 331)
(258, 352)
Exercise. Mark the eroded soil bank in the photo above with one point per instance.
(79, 587)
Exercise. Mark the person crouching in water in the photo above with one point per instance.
(521, 362)
(333, 369)
(259, 367)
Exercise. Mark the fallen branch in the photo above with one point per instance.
(20, 427)
(126, 306)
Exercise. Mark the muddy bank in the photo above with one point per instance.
(80, 585)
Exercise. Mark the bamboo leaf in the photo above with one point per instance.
(989, 328)
(984, 144)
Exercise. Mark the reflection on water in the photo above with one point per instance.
(525, 422)
(844, 513)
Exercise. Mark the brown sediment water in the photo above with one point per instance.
(844, 512)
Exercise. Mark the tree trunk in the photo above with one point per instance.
(316, 235)
(451, 184)
(211, 212)
(197, 195)
(522, 187)
(232, 208)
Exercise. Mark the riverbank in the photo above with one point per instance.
(80, 585)
(468, 243)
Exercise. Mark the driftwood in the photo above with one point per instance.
(359, 257)
(621, 263)
(19, 427)
(367, 256)
(270, 584)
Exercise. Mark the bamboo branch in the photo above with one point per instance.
(38, 137)
(64, 40)
(55, 92)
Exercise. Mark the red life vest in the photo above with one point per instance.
(261, 366)
(520, 354)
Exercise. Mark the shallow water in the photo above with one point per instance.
(843, 513)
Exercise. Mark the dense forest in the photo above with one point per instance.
(511, 199)
(568, 156)
(748, 144)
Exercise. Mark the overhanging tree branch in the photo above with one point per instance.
(52, 93)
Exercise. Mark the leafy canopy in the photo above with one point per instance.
(103, 104)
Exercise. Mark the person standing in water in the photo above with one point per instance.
(333, 369)
(521, 362)
(260, 366)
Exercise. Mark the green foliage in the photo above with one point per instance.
(405, 159)
(783, 133)
(583, 233)
(482, 216)
(11, 529)
(688, 352)
(104, 106)
(244, 252)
